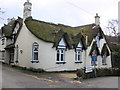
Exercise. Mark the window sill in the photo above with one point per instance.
(93, 65)
(104, 64)
(35, 61)
(78, 62)
(61, 62)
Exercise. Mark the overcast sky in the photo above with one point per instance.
(68, 12)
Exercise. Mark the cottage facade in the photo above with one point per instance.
(54, 47)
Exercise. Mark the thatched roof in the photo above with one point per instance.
(53, 33)
(50, 32)
(7, 30)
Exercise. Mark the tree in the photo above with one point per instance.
(112, 27)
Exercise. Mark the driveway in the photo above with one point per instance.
(13, 78)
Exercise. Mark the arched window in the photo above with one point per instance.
(35, 48)
(104, 59)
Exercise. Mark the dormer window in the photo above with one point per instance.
(78, 54)
(61, 52)
(16, 28)
(3, 41)
(97, 39)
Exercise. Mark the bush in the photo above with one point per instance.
(100, 72)
(37, 70)
(115, 60)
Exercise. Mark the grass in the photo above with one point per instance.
(45, 31)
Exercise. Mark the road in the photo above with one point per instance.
(12, 78)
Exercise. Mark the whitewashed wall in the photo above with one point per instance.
(47, 54)
(99, 58)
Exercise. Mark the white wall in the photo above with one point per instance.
(99, 58)
(47, 54)
(2, 50)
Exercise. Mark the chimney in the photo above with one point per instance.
(27, 9)
(97, 19)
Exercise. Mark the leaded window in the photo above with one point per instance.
(35, 52)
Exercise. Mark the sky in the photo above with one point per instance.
(67, 12)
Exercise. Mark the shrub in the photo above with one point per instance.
(115, 60)
(37, 70)
(100, 72)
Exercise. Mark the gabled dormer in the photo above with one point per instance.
(62, 43)
(16, 28)
(61, 52)
(78, 53)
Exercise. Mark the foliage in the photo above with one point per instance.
(115, 59)
(37, 70)
(100, 72)
(112, 27)
(47, 31)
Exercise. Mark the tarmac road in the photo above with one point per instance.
(12, 78)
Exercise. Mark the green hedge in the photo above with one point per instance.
(36, 70)
(115, 60)
(100, 72)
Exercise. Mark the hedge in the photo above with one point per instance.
(100, 72)
(115, 60)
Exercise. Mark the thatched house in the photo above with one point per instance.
(54, 47)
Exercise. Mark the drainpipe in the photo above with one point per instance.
(86, 52)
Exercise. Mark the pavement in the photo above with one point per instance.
(13, 78)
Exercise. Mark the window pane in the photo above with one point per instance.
(58, 52)
(36, 56)
(62, 51)
(78, 57)
(36, 48)
(57, 56)
(104, 59)
(62, 57)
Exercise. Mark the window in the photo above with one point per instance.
(35, 52)
(78, 55)
(3, 41)
(17, 53)
(16, 28)
(61, 52)
(104, 59)
(94, 58)
(60, 55)
(97, 39)
(3, 55)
